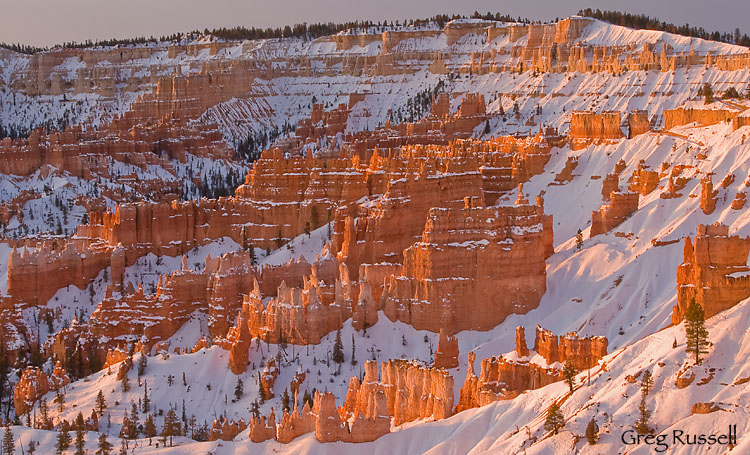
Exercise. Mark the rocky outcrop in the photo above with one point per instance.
(217, 290)
(32, 386)
(505, 377)
(638, 123)
(588, 128)
(739, 200)
(610, 215)
(226, 430)
(446, 355)
(703, 117)
(566, 174)
(708, 196)
(329, 426)
(521, 349)
(262, 429)
(643, 181)
(268, 378)
(239, 352)
(295, 424)
(474, 266)
(413, 392)
(582, 353)
(714, 271)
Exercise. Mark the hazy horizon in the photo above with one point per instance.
(49, 22)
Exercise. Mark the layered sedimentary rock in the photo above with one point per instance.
(446, 355)
(566, 174)
(367, 426)
(505, 377)
(590, 128)
(262, 429)
(708, 196)
(158, 316)
(239, 351)
(32, 386)
(582, 353)
(714, 271)
(638, 123)
(473, 267)
(381, 232)
(644, 180)
(703, 117)
(296, 315)
(610, 184)
(413, 392)
(621, 205)
(226, 430)
(295, 424)
(268, 378)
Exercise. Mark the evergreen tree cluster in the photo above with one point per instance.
(214, 184)
(418, 106)
(250, 148)
(303, 31)
(642, 21)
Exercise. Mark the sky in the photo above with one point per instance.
(48, 22)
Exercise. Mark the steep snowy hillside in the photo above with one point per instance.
(430, 194)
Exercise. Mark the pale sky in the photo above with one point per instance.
(46, 22)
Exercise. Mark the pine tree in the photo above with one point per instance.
(253, 257)
(101, 405)
(641, 425)
(125, 383)
(354, 351)
(80, 442)
(171, 426)
(43, 413)
(555, 419)
(486, 127)
(31, 450)
(646, 382)
(569, 373)
(307, 398)
(63, 439)
(579, 239)
(592, 431)
(146, 402)
(60, 400)
(149, 428)
(238, 389)
(695, 331)
(104, 446)
(133, 430)
(142, 364)
(255, 409)
(285, 400)
(123, 447)
(708, 93)
(338, 349)
(9, 444)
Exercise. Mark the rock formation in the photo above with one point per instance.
(505, 377)
(714, 271)
(588, 128)
(368, 426)
(466, 255)
(413, 392)
(226, 430)
(708, 196)
(446, 355)
(610, 215)
(32, 386)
